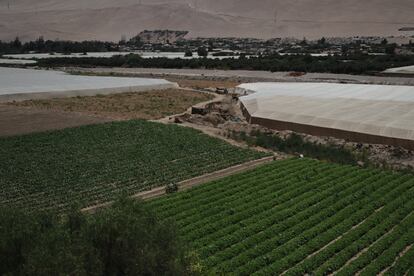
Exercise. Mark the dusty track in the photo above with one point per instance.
(228, 77)
(190, 183)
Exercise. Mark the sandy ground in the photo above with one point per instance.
(109, 20)
(203, 83)
(149, 105)
(238, 76)
(20, 120)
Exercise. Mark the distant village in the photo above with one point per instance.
(178, 41)
(181, 41)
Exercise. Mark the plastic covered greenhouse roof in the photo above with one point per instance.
(409, 70)
(379, 110)
(23, 84)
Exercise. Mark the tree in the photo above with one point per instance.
(126, 239)
(322, 41)
(384, 41)
(304, 42)
(390, 49)
(40, 44)
(202, 51)
(16, 43)
(188, 53)
(210, 45)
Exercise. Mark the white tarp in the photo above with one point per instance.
(21, 84)
(371, 109)
(409, 70)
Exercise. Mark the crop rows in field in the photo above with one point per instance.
(95, 164)
(299, 216)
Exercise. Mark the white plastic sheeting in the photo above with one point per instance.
(379, 110)
(17, 61)
(22, 84)
(409, 70)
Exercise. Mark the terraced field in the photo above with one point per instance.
(299, 216)
(94, 164)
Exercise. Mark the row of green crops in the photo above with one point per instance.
(94, 164)
(299, 216)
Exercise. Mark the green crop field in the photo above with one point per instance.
(95, 164)
(299, 216)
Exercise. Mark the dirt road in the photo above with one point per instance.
(190, 183)
(238, 76)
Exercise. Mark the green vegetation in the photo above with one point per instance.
(94, 164)
(50, 46)
(348, 64)
(295, 144)
(202, 51)
(126, 239)
(299, 216)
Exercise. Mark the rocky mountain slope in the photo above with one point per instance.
(110, 20)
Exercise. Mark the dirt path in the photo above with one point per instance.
(402, 253)
(369, 247)
(237, 76)
(217, 98)
(21, 120)
(190, 183)
(332, 242)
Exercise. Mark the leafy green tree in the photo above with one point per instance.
(16, 43)
(202, 51)
(126, 239)
(322, 41)
(188, 53)
(390, 49)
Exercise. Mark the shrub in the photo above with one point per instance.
(295, 144)
(171, 188)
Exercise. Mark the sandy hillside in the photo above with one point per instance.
(109, 20)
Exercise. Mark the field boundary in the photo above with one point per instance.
(190, 183)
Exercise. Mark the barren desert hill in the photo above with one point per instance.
(110, 20)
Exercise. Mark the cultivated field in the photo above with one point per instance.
(94, 164)
(149, 105)
(299, 216)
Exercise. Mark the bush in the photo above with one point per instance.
(295, 144)
(126, 239)
(171, 188)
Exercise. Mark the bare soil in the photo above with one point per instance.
(143, 105)
(241, 76)
(21, 120)
(195, 83)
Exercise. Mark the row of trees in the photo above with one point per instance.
(126, 239)
(49, 46)
(351, 64)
